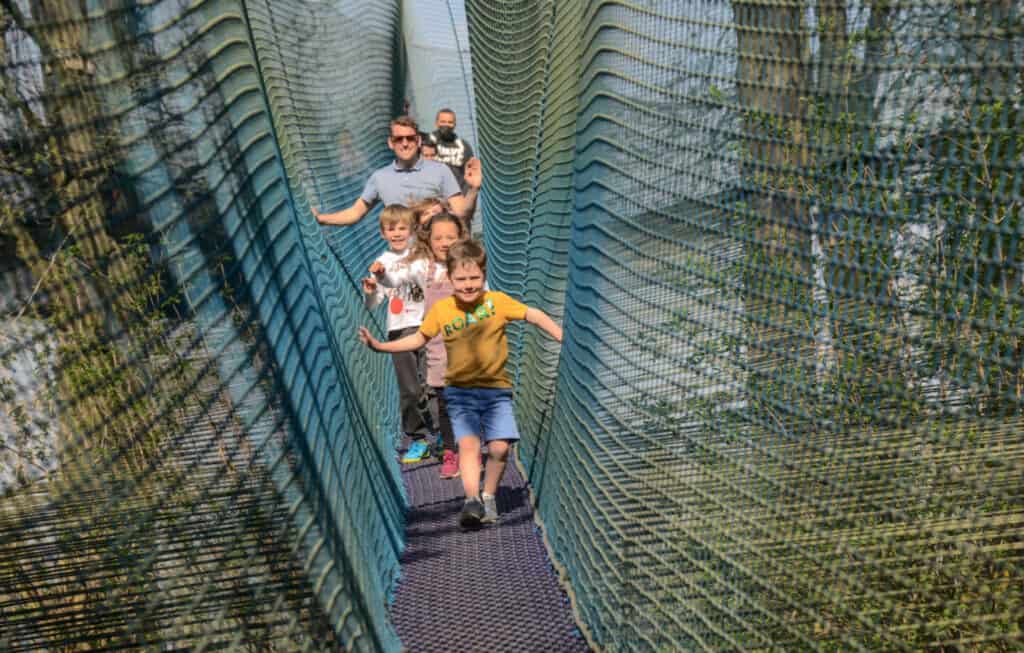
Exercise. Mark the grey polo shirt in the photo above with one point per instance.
(394, 185)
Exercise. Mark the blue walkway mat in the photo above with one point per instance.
(492, 590)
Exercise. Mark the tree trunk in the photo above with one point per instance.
(772, 80)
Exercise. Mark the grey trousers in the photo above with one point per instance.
(409, 370)
(439, 416)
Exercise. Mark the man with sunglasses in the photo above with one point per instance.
(409, 179)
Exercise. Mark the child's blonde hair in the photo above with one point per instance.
(421, 248)
(397, 214)
(466, 251)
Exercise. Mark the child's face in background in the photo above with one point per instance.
(442, 236)
(468, 282)
(397, 235)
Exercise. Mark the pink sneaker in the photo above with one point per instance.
(450, 465)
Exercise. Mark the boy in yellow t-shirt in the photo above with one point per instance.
(478, 390)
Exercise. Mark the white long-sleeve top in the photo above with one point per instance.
(432, 278)
(404, 298)
(421, 272)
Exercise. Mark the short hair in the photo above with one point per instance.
(403, 121)
(426, 142)
(397, 214)
(444, 110)
(466, 251)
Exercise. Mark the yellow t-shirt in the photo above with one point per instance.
(474, 337)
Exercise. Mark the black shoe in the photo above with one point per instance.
(472, 514)
(438, 449)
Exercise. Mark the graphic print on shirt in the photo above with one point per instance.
(479, 314)
(454, 154)
(409, 292)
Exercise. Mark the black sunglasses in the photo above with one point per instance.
(399, 139)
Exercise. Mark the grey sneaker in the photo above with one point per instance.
(472, 514)
(490, 510)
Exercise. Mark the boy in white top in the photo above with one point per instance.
(405, 312)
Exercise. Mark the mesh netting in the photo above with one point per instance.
(176, 333)
(784, 238)
(437, 64)
(786, 241)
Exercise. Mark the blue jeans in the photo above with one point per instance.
(485, 413)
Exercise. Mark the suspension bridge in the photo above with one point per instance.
(784, 241)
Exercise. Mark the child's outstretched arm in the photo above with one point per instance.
(411, 342)
(373, 295)
(539, 318)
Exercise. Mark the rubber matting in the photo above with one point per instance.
(492, 590)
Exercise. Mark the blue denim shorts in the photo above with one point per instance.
(483, 412)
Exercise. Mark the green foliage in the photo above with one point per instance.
(974, 261)
(123, 380)
(884, 526)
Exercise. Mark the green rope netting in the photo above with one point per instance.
(784, 239)
(181, 364)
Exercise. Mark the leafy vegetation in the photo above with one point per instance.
(145, 535)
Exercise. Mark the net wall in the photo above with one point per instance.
(785, 239)
(195, 455)
(439, 70)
